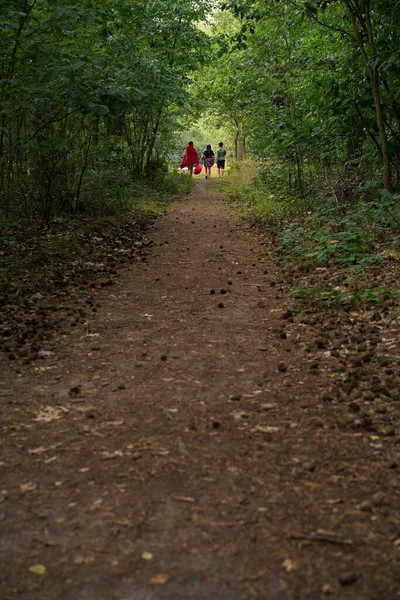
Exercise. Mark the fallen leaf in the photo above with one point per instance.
(159, 579)
(265, 429)
(110, 455)
(184, 498)
(289, 565)
(49, 413)
(147, 556)
(37, 450)
(27, 487)
(328, 589)
(38, 569)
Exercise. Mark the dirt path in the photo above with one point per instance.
(182, 446)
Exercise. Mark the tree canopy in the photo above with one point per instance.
(88, 95)
(93, 95)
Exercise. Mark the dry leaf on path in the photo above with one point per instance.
(265, 429)
(38, 569)
(184, 498)
(27, 487)
(50, 413)
(159, 579)
(290, 565)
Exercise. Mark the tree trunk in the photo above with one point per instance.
(382, 130)
(363, 29)
(241, 143)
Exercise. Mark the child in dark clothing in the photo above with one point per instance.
(208, 157)
(221, 154)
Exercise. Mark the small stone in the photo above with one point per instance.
(122, 386)
(354, 407)
(261, 304)
(283, 335)
(282, 368)
(235, 398)
(223, 291)
(74, 391)
(212, 292)
(287, 315)
(216, 424)
(327, 398)
(328, 588)
(347, 578)
(163, 357)
(389, 431)
(309, 466)
(220, 305)
(366, 506)
(380, 499)
(268, 406)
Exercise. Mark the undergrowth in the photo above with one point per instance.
(317, 239)
(67, 238)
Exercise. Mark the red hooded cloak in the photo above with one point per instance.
(190, 157)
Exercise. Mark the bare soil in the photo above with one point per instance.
(197, 438)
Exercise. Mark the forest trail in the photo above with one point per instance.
(184, 446)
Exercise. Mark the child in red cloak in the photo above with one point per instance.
(190, 158)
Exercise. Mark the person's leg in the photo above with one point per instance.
(190, 167)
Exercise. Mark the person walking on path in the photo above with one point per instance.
(190, 158)
(221, 153)
(208, 157)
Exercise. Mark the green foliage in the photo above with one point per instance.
(89, 94)
(354, 235)
(310, 85)
(313, 237)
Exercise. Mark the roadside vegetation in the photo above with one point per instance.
(333, 253)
